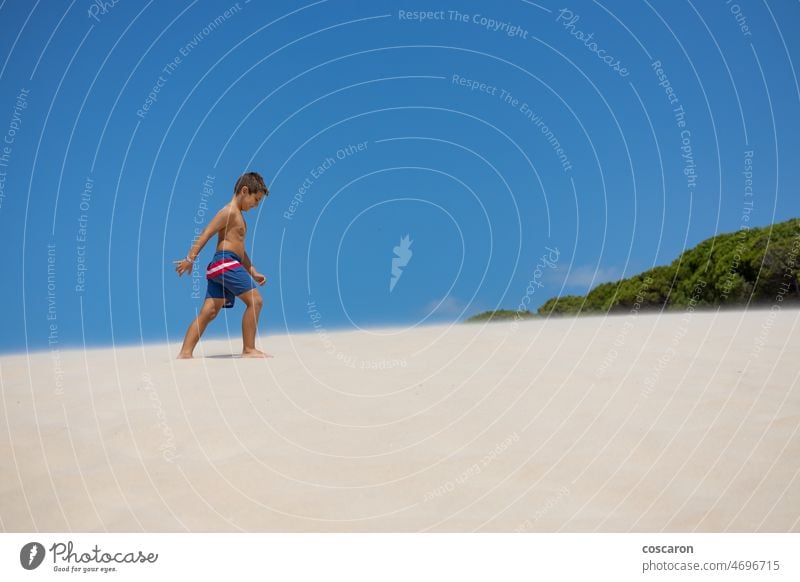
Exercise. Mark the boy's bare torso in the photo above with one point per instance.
(231, 235)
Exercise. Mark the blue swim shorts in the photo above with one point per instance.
(227, 277)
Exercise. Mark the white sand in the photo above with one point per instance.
(692, 424)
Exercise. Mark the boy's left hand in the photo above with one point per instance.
(259, 278)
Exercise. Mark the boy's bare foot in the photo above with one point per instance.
(182, 356)
(254, 353)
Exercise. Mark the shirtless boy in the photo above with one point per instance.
(230, 273)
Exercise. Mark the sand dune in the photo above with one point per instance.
(679, 422)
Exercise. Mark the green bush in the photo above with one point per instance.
(753, 265)
(747, 266)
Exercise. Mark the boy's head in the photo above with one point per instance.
(250, 189)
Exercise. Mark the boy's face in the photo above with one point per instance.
(251, 199)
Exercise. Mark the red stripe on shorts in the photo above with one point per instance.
(232, 264)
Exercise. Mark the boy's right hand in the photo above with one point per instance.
(183, 266)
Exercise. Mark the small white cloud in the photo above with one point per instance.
(449, 306)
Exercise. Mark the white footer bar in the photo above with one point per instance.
(400, 557)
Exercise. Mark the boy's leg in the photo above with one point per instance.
(208, 311)
(254, 302)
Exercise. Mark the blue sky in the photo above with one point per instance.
(486, 132)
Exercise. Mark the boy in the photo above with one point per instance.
(230, 273)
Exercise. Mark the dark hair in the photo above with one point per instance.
(253, 181)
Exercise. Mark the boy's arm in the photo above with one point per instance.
(247, 263)
(250, 268)
(216, 224)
